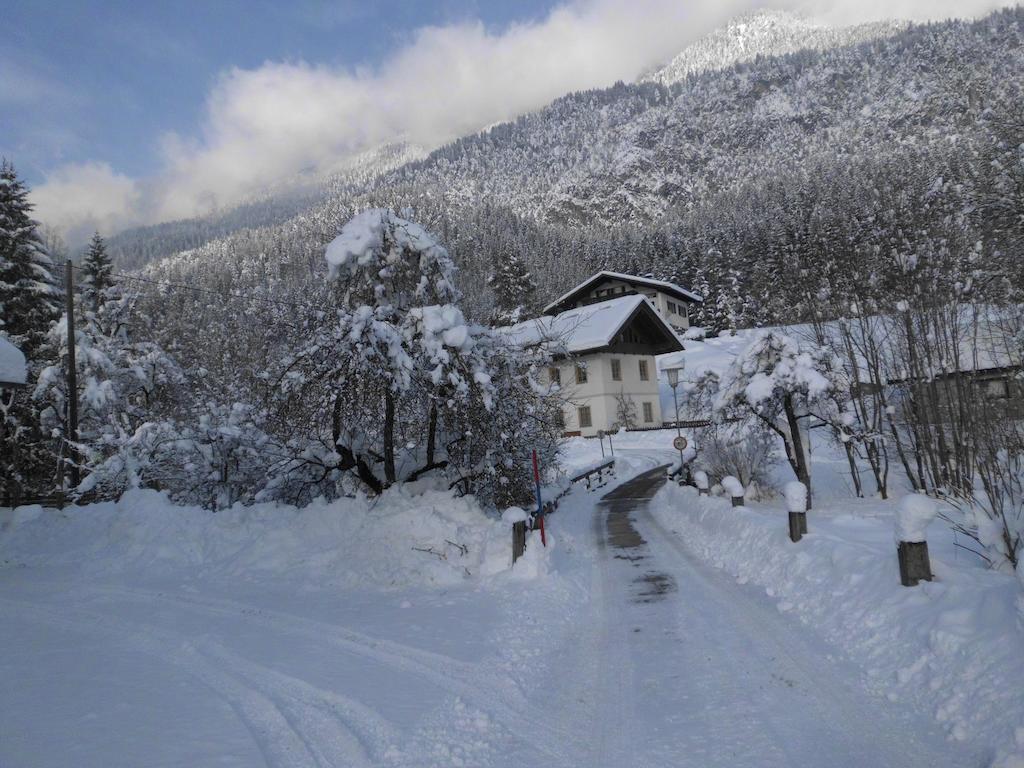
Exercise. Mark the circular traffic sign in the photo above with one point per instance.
(679, 443)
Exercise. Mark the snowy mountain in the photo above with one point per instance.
(763, 33)
(725, 181)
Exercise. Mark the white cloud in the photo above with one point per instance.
(266, 124)
(84, 197)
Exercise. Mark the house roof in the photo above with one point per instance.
(587, 328)
(12, 365)
(670, 288)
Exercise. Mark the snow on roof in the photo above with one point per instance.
(12, 364)
(589, 327)
(659, 284)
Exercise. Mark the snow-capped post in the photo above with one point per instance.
(517, 518)
(915, 512)
(540, 504)
(796, 502)
(735, 490)
(700, 477)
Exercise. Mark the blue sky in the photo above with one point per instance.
(106, 79)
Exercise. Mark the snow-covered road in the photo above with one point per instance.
(682, 666)
(633, 655)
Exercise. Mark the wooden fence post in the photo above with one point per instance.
(735, 489)
(915, 565)
(915, 512)
(796, 502)
(518, 540)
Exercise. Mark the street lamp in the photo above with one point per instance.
(673, 381)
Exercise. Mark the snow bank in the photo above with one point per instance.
(951, 647)
(700, 477)
(915, 512)
(402, 538)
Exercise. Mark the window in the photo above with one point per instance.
(648, 413)
(560, 419)
(584, 414)
(581, 374)
(996, 389)
(555, 375)
(644, 373)
(616, 370)
(672, 308)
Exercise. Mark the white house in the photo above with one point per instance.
(607, 368)
(671, 301)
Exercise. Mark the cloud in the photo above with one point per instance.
(266, 124)
(84, 197)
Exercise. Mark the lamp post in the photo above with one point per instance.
(673, 381)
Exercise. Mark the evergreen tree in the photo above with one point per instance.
(97, 274)
(28, 307)
(514, 288)
(28, 294)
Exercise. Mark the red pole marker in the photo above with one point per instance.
(540, 506)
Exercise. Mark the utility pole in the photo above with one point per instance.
(69, 306)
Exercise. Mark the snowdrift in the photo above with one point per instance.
(403, 538)
(952, 646)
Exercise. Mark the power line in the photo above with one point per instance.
(217, 294)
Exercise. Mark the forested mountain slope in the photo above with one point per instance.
(733, 181)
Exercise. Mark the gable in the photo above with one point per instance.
(607, 285)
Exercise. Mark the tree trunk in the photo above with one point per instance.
(431, 434)
(803, 473)
(389, 438)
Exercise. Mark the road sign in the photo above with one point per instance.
(679, 443)
(600, 434)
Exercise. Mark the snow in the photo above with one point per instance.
(402, 538)
(514, 515)
(700, 477)
(584, 328)
(916, 511)
(395, 632)
(12, 364)
(732, 486)
(795, 494)
(950, 647)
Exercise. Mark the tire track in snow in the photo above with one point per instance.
(282, 740)
(493, 693)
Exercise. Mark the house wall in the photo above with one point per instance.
(680, 319)
(600, 391)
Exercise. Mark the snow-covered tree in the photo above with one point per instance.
(514, 288)
(97, 274)
(28, 305)
(778, 382)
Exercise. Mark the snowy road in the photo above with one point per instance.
(635, 656)
(680, 666)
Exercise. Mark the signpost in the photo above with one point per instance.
(540, 506)
(600, 436)
(680, 442)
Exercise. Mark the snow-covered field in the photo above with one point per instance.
(394, 633)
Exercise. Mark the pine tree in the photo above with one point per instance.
(28, 307)
(28, 293)
(97, 274)
(513, 286)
